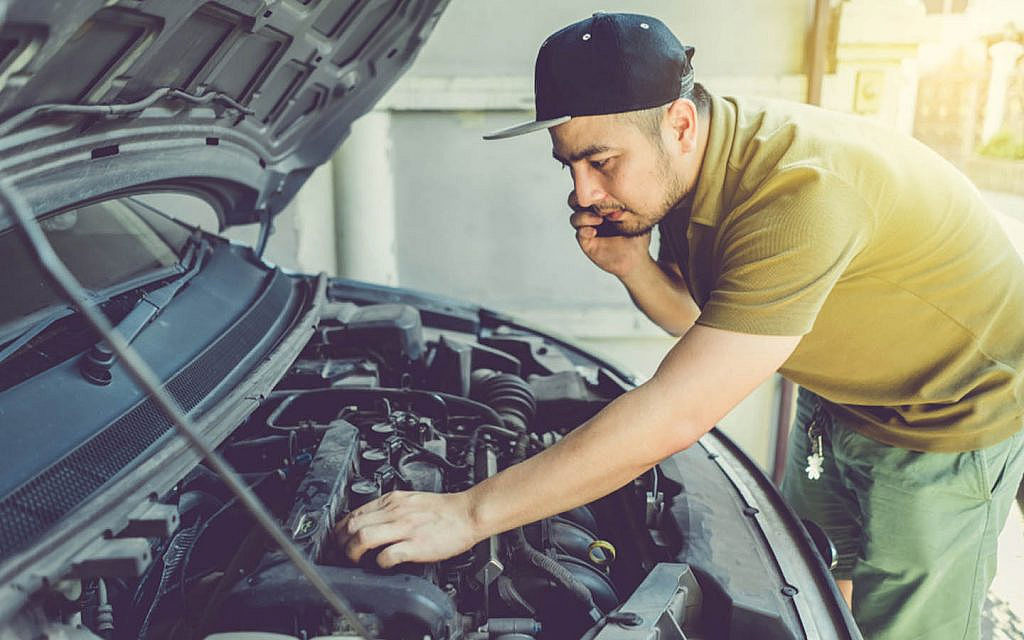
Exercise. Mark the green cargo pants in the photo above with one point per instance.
(916, 532)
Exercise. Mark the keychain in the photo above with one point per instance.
(815, 461)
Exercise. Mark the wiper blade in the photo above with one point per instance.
(25, 333)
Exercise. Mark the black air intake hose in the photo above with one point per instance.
(509, 395)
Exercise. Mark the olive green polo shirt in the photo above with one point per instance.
(906, 290)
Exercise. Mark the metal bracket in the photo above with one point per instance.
(654, 508)
(113, 558)
(266, 229)
(488, 565)
(156, 521)
(659, 608)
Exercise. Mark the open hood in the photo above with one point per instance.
(237, 100)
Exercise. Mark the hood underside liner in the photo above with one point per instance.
(248, 95)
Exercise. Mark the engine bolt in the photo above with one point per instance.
(626, 619)
(790, 591)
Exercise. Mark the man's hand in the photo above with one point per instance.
(617, 255)
(661, 293)
(706, 374)
(408, 527)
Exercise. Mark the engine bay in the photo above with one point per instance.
(378, 403)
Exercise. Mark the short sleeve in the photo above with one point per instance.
(780, 254)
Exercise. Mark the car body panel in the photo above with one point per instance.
(272, 91)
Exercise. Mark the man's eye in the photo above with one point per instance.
(599, 164)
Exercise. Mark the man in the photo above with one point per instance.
(852, 260)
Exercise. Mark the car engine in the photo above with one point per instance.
(378, 403)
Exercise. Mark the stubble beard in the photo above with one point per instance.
(644, 222)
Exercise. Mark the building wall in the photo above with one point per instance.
(488, 220)
(499, 38)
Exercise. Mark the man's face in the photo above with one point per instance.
(625, 174)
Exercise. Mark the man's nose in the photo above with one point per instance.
(588, 189)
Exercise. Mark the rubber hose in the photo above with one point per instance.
(508, 592)
(562, 576)
(509, 395)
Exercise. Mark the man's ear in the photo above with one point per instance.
(682, 121)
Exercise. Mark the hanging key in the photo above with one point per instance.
(816, 460)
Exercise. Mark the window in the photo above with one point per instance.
(104, 245)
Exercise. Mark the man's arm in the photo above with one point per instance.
(660, 291)
(657, 290)
(707, 373)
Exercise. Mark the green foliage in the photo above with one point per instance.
(1003, 145)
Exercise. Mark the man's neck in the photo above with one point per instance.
(682, 208)
(703, 133)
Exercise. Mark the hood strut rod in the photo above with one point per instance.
(266, 228)
(148, 381)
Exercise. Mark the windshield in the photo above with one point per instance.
(103, 245)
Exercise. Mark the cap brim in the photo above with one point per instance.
(526, 127)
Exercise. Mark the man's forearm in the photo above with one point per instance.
(663, 297)
(602, 455)
(697, 383)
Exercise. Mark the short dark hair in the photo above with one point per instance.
(649, 120)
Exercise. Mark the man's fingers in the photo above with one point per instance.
(406, 527)
(387, 502)
(585, 218)
(396, 554)
(353, 522)
(382, 510)
(586, 233)
(373, 536)
(573, 203)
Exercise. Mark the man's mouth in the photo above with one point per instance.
(613, 214)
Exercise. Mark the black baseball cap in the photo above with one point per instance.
(607, 63)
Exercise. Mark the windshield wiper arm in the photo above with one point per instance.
(97, 362)
(149, 305)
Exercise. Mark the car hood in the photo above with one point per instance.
(236, 100)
